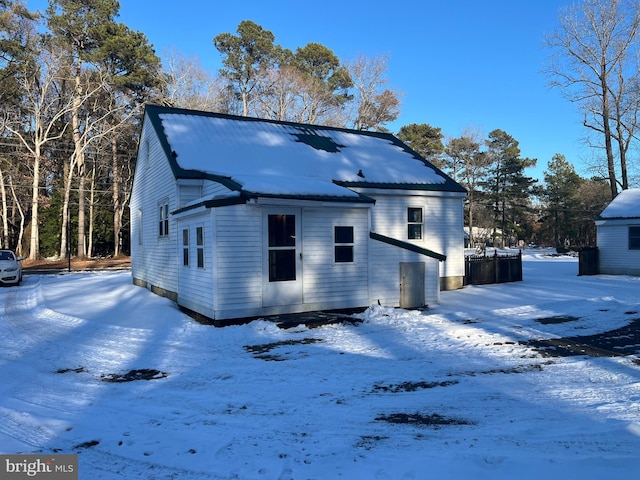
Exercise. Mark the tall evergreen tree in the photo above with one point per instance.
(246, 57)
(424, 139)
(507, 187)
(562, 203)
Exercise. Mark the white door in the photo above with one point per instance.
(282, 257)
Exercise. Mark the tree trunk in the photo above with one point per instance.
(21, 230)
(79, 158)
(91, 211)
(5, 220)
(117, 215)
(607, 131)
(65, 250)
(34, 243)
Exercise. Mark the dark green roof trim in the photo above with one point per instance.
(429, 187)
(313, 198)
(600, 217)
(407, 246)
(216, 202)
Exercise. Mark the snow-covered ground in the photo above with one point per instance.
(259, 402)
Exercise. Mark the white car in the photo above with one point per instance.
(10, 268)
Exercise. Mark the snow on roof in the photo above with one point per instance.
(290, 159)
(625, 205)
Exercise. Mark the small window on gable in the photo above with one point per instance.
(147, 153)
(140, 227)
(343, 238)
(200, 246)
(185, 247)
(634, 237)
(163, 220)
(414, 223)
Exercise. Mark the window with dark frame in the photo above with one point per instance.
(200, 246)
(414, 223)
(185, 247)
(163, 220)
(634, 237)
(140, 227)
(343, 238)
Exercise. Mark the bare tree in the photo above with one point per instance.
(43, 110)
(373, 105)
(186, 84)
(592, 58)
(471, 165)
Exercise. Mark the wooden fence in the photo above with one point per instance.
(483, 269)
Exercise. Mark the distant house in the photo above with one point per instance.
(237, 217)
(618, 229)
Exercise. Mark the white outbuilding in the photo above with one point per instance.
(235, 217)
(619, 235)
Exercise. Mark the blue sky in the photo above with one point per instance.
(458, 63)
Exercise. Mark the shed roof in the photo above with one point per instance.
(260, 157)
(625, 205)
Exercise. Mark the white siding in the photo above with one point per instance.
(196, 285)
(613, 246)
(153, 260)
(209, 189)
(328, 284)
(385, 274)
(238, 256)
(443, 230)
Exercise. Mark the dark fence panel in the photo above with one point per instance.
(589, 261)
(483, 270)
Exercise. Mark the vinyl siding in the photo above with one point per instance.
(196, 285)
(325, 282)
(385, 274)
(443, 224)
(613, 245)
(153, 261)
(238, 251)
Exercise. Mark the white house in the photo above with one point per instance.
(618, 235)
(235, 217)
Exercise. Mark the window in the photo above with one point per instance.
(414, 222)
(282, 248)
(185, 247)
(343, 238)
(140, 227)
(163, 220)
(634, 238)
(200, 246)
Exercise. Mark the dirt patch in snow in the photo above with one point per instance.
(133, 375)
(411, 386)
(620, 342)
(557, 319)
(262, 351)
(434, 420)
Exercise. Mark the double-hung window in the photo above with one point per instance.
(414, 223)
(185, 247)
(200, 246)
(343, 238)
(634, 237)
(163, 220)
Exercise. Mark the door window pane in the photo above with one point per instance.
(282, 265)
(634, 238)
(282, 230)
